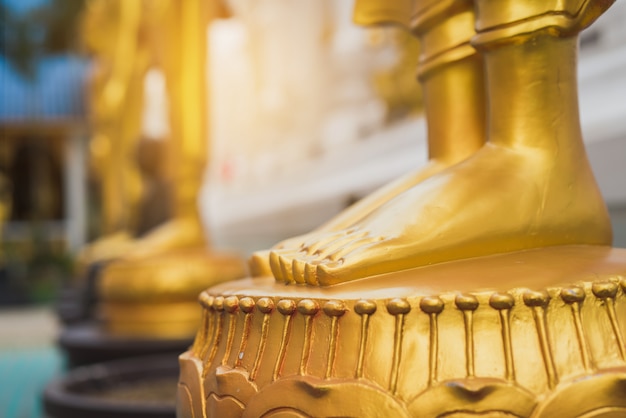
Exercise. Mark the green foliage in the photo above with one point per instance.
(17, 44)
(60, 22)
(33, 270)
(49, 29)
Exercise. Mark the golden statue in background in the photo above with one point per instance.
(110, 32)
(177, 33)
(150, 287)
(483, 285)
(141, 35)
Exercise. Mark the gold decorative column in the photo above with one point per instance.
(486, 289)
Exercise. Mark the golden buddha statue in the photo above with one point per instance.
(110, 32)
(531, 198)
(177, 36)
(483, 285)
(454, 102)
(168, 36)
(151, 289)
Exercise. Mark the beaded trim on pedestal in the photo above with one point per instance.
(226, 351)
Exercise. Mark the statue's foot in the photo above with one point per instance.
(501, 199)
(300, 266)
(177, 234)
(260, 261)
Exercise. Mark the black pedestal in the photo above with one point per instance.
(76, 302)
(132, 388)
(88, 343)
